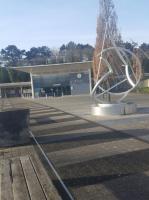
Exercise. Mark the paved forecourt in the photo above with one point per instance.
(96, 157)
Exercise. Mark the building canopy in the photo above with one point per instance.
(15, 85)
(56, 68)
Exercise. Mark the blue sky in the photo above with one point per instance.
(28, 23)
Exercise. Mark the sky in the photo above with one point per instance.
(28, 23)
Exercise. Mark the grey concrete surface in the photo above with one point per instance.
(103, 158)
(81, 106)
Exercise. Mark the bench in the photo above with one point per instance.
(24, 178)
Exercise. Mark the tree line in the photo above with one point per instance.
(43, 55)
(12, 56)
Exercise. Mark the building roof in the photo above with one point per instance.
(13, 85)
(56, 68)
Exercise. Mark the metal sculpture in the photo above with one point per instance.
(119, 72)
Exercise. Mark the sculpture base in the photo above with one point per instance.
(114, 109)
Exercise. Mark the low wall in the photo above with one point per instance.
(14, 127)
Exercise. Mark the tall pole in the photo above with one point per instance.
(90, 80)
(32, 85)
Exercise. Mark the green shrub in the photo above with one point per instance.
(143, 90)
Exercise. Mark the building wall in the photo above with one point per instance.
(80, 83)
(146, 83)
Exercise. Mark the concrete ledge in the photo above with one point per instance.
(14, 125)
(114, 109)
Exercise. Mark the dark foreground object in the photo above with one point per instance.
(14, 125)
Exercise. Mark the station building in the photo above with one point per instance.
(15, 89)
(59, 79)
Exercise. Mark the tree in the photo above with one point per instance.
(38, 55)
(12, 54)
(145, 47)
(4, 75)
(145, 57)
(72, 52)
(128, 45)
(13, 57)
(87, 52)
(55, 57)
(107, 32)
